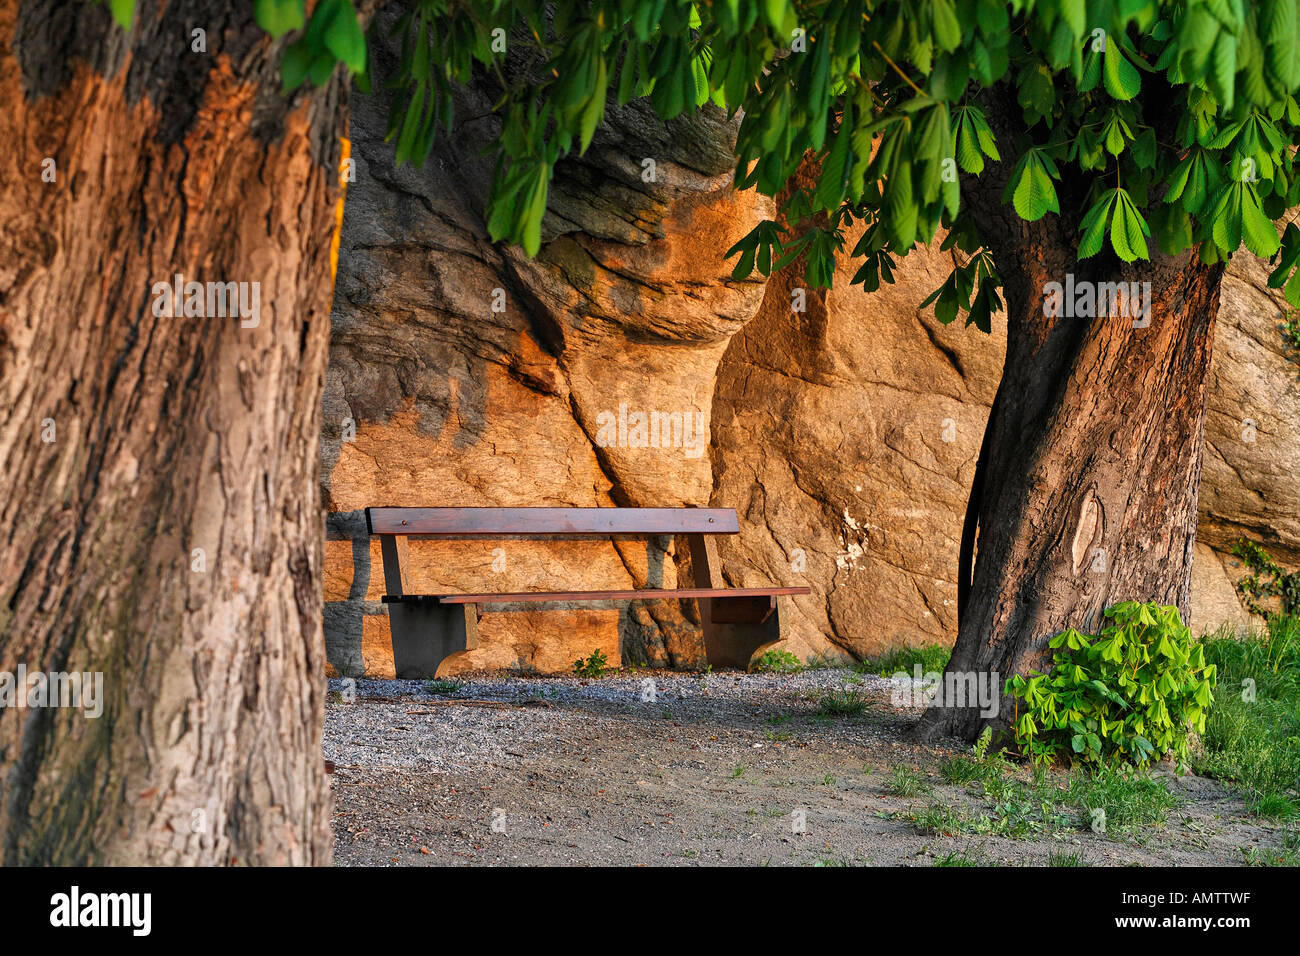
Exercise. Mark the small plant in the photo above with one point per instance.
(978, 766)
(1285, 855)
(597, 665)
(1065, 859)
(778, 662)
(956, 859)
(1125, 697)
(738, 771)
(940, 820)
(1290, 329)
(846, 702)
(906, 782)
(441, 686)
(1276, 806)
(1266, 579)
(959, 770)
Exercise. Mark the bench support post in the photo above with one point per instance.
(425, 634)
(735, 628)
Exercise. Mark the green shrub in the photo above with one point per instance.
(594, 666)
(1125, 697)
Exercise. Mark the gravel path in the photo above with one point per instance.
(664, 768)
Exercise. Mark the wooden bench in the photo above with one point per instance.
(427, 628)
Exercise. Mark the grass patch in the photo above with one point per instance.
(956, 859)
(441, 686)
(1285, 855)
(931, 657)
(906, 782)
(1252, 735)
(1127, 800)
(845, 702)
(1107, 802)
(1017, 805)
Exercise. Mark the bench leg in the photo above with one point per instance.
(425, 634)
(735, 629)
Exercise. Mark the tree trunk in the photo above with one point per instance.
(159, 505)
(1086, 490)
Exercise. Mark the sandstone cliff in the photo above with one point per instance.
(844, 435)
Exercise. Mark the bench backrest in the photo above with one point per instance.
(484, 522)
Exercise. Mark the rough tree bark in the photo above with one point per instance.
(170, 534)
(1086, 490)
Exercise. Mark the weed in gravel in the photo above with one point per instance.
(1020, 808)
(1275, 806)
(906, 782)
(597, 665)
(1128, 799)
(1285, 855)
(956, 859)
(845, 702)
(442, 686)
(1065, 859)
(939, 819)
(778, 662)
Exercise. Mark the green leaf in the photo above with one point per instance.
(947, 28)
(293, 66)
(595, 108)
(1121, 77)
(343, 36)
(278, 17)
(123, 12)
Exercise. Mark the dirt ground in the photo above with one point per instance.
(728, 768)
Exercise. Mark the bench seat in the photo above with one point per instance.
(645, 594)
(737, 623)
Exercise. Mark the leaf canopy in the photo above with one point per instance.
(1141, 125)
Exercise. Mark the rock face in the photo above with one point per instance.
(844, 435)
(847, 437)
(464, 374)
